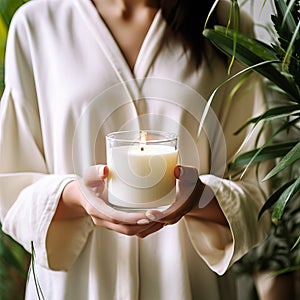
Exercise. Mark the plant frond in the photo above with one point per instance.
(292, 156)
(283, 200)
(274, 197)
(250, 53)
(210, 12)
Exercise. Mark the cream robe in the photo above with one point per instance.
(67, 85)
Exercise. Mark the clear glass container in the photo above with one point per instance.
(141, 169)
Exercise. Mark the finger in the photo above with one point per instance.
(98, 208)
(188, 176)
(99, 189)
(167, 217)
(129, 230)
(94, 174)
(186, 173)
(154, 227)
(189, 189)
(188, 179)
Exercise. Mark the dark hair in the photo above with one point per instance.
(186, 19)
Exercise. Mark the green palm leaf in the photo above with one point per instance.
(296, 243)
(261, 154)
(274, 197)
(283, 200)
(258, 155)
(288, 19)
(292, 156)
(273, 113)
(263, 50)
(250, 52)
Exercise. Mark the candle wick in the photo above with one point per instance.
(142, 148)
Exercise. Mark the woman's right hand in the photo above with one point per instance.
(85, 197)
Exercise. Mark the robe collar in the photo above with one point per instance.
(148, 51)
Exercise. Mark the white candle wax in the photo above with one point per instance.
(141, 176)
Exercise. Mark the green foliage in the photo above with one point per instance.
(282, 70)
(279, 65)
(14, 263)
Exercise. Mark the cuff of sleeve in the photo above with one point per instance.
(212, 241)
(220, 246)
(65, 240)
(57, 244)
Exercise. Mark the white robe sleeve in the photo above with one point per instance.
(29, 196)
(28, 193)
(241, 199)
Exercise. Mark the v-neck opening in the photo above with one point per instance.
(131, 64)
(111, 48)
(143, 46)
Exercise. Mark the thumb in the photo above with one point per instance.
(188, 183)
(186, 174)
(94, 174)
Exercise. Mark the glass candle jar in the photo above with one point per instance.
(141, 169)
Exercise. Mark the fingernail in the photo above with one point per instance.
(103, 172)
(150, 216)
(143, 222)
(178, 172)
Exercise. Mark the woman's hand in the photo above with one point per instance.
(187, 203)
(84, 197)
(189, 190)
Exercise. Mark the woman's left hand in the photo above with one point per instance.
(189, 190)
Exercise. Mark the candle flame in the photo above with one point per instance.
(143, 136)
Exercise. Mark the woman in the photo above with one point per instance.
(78, 70)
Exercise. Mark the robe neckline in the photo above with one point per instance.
(147, 53)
